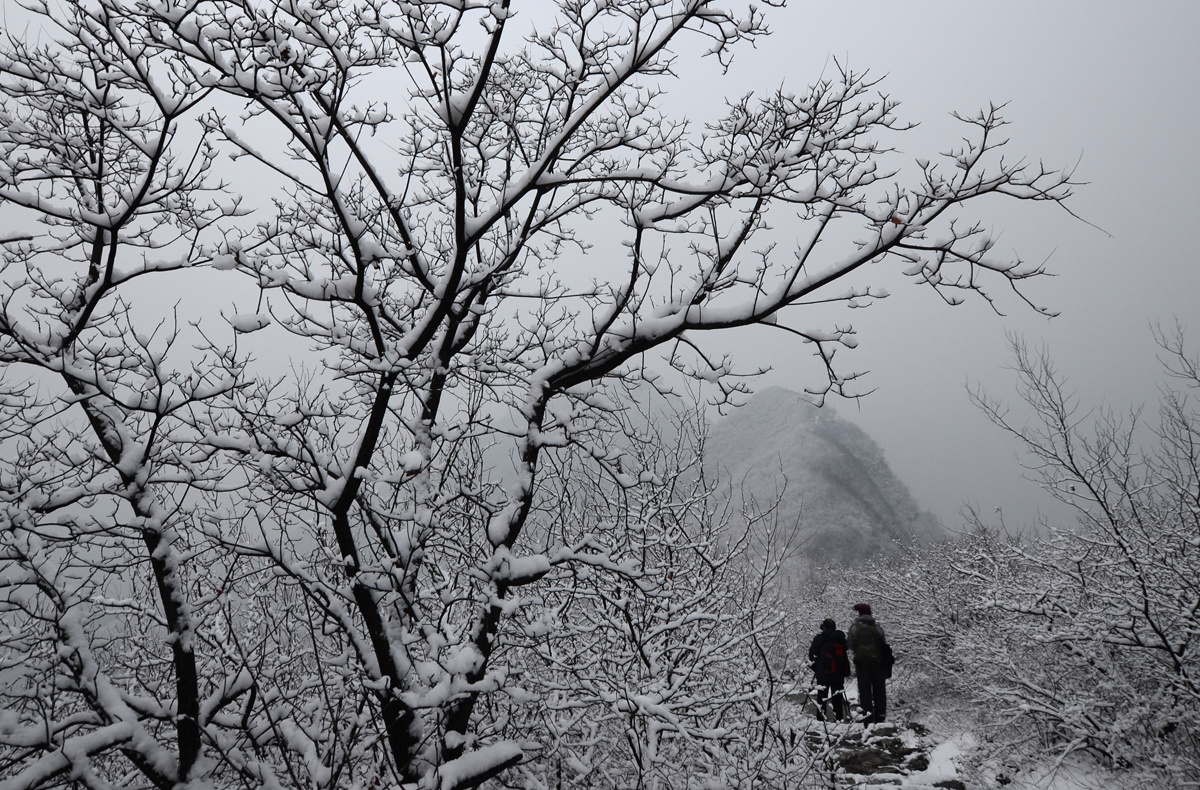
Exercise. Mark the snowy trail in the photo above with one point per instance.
(904, 756)
(908, 755)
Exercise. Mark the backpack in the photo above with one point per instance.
(868, 644)
(888, 660)
(833, 661)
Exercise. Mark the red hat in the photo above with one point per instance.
(862, 608)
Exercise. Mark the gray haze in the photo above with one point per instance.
(838, 500)
(1108, 85)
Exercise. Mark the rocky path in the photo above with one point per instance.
(906, 755)
(884, 756)
(902, 754)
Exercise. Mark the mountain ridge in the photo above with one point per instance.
(838, 499)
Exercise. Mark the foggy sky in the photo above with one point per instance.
(1107, 85)
(1110, 86)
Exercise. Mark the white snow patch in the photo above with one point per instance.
(943, 762)
(942, 758)
(247, 322)
(476, 767)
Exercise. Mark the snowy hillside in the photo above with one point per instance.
(837, 491)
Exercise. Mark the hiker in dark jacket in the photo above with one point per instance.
(831, 665)
(869, 644)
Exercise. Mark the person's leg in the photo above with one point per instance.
(822, 694)
(879, 689)
(865, 691)
(838, 686)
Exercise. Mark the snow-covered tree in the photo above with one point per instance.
(223, 571)
(648, 639)
(1113, 602)
(1082, 638)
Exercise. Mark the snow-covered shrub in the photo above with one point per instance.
(937, 631)
(1112, 602)
(645, 646)
(1083, 638)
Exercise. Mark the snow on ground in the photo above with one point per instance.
(942, 759)
(1071, 774)
(935, 750)
(943, 762)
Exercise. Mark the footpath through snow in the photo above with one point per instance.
(885, 756)
(909, 755)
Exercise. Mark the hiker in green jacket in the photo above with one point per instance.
(869, 645)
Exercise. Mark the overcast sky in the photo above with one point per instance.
(1110, 85)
